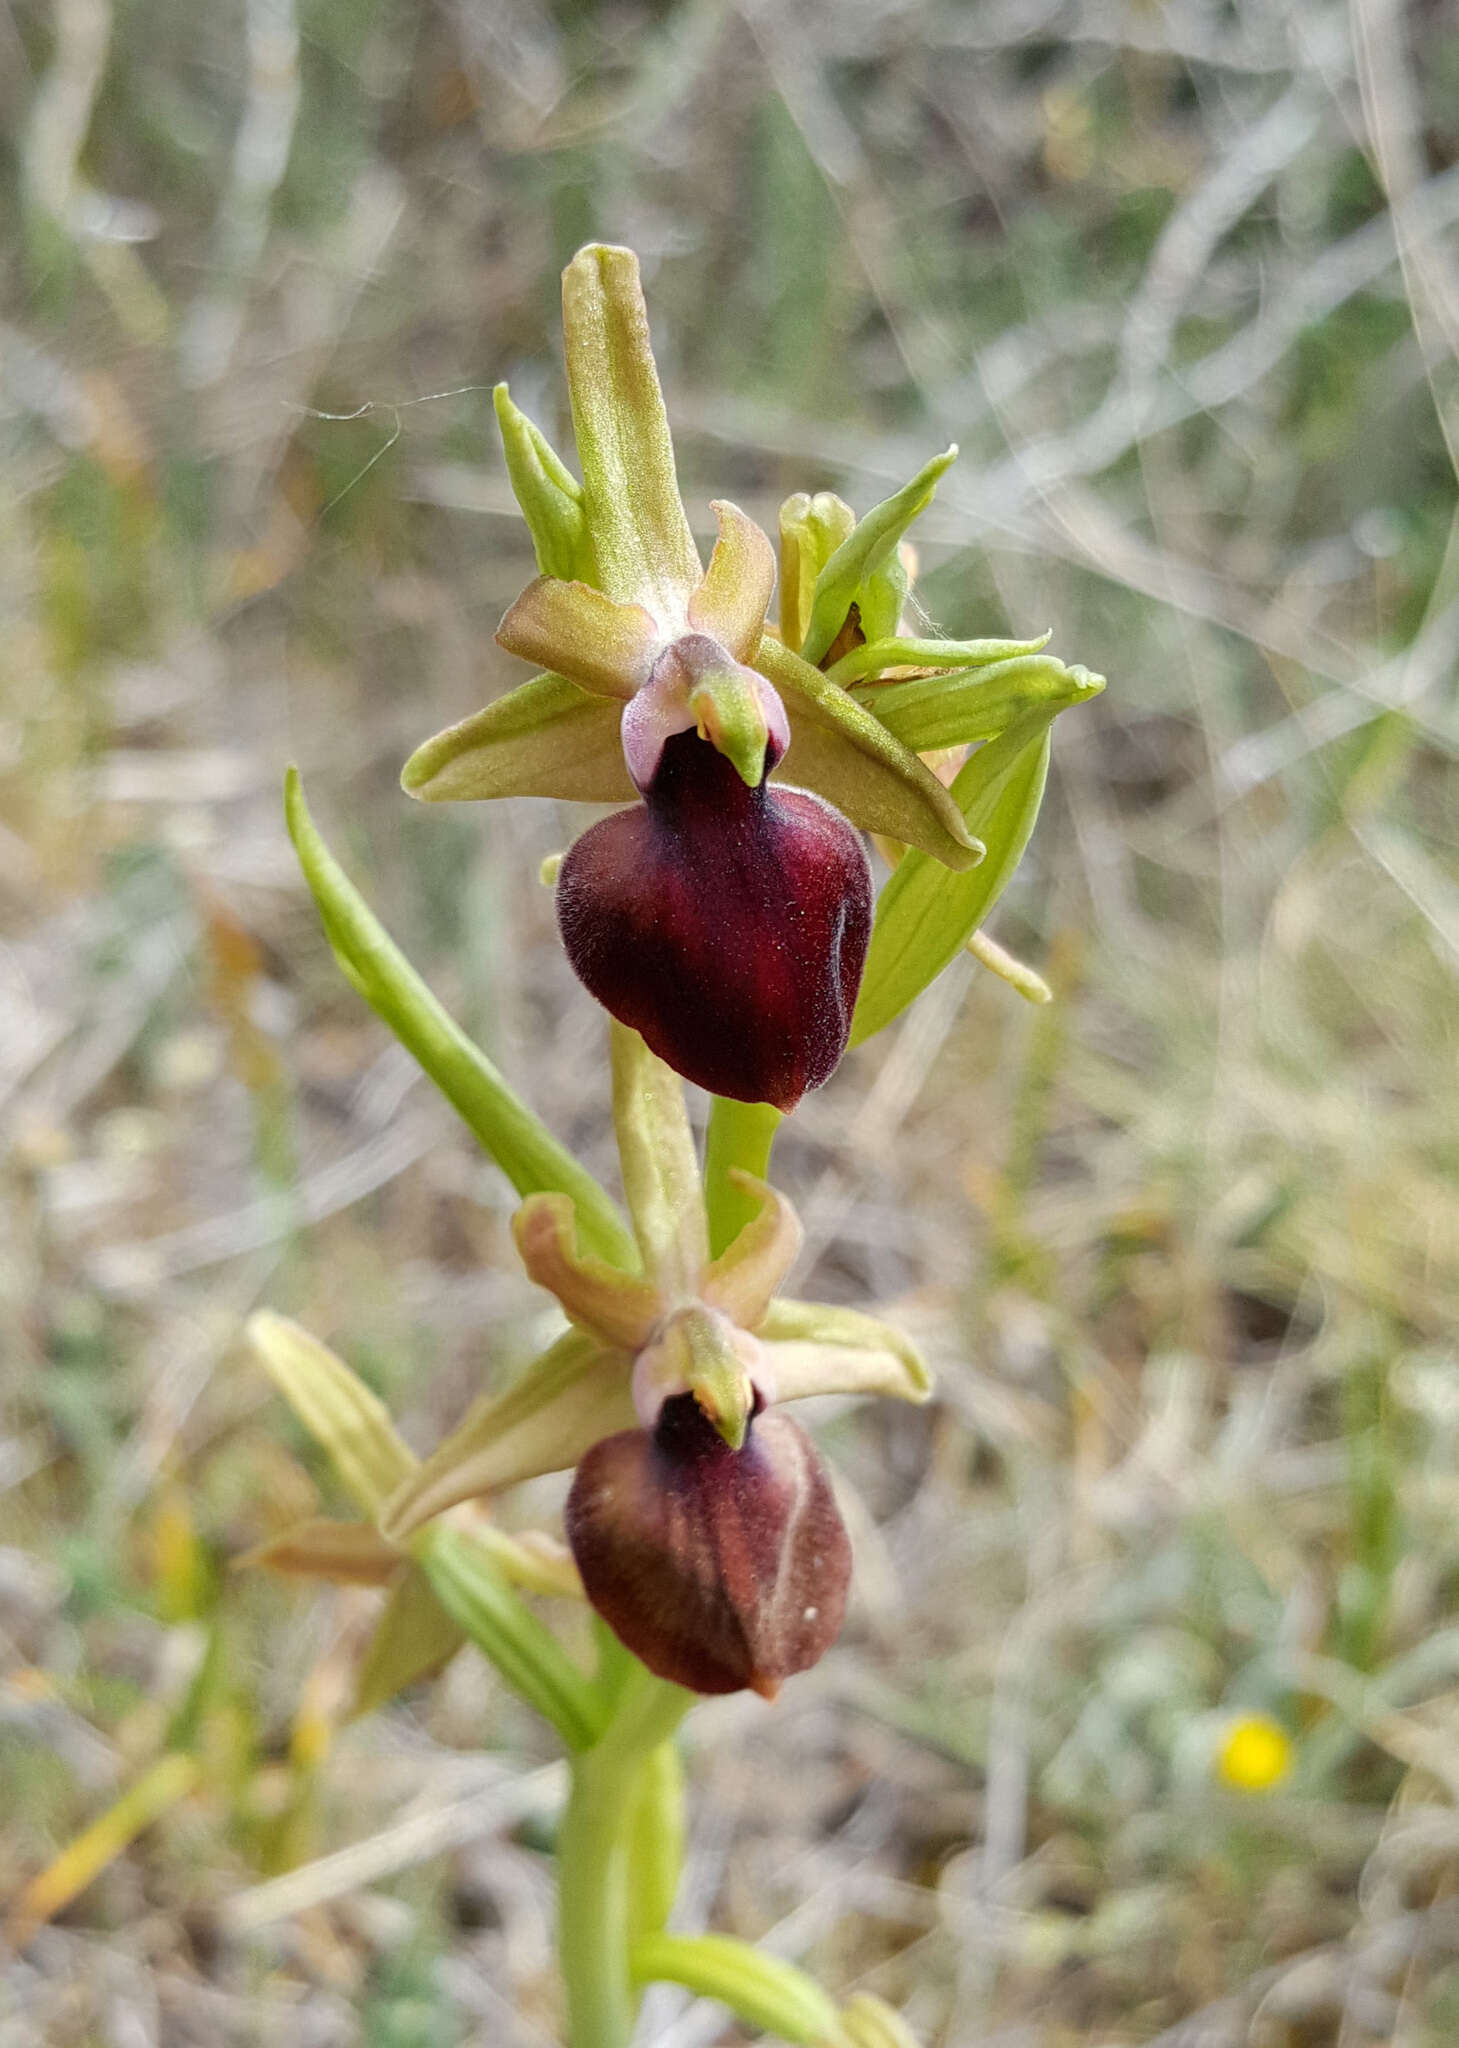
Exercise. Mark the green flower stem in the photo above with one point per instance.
(592, 1862)
(740, 1134)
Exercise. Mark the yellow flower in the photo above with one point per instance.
(1255, 1754)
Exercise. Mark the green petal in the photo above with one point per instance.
(731, 602)
(549, 494)
(645, 552)
(336, 1407)
(943, 655)
(743, 1280)
(413, 1638)
(660, 1169)
(575, 631)
(839, 750)
(519, 1142)
(924, 916)
(619, 1308)
(865, 554)
(816, 1348)
(545, 738)
(811, 530)
(574, 1393)
(943, 711)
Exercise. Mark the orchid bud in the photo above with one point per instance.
(726, 924)
(717, 1568)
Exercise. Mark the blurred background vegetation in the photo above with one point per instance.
(1182, 278)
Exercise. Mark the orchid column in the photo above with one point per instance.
(725, 920)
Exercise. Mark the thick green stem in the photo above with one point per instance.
(592, 1862)
(740, 1134)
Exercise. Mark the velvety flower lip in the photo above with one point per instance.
(726, 924)
(718, 1568)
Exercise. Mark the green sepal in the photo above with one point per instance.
(939, 711)
(817, 1347)
(477, 1596)
(924, 916)
(654, 1841)
(519, 1142)
(839, 750)
(556, 1409)
(811, 530)
(549, 494)
(898, 651)
(760, 1989)
(658, 1163)
(413, 1639)
(644, 550)
(348, 1422)
(547, 737)
(858, 570)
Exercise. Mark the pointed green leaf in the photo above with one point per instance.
(946, 711)
(925, 916)
(659, 1165)
(839, 750)
(745, 1277)
(731, 602)
(575, 631)
(574, 1393)
(868, 549)
(816, 1348)
(476, 1595)
(943, 655)
(339, 1411)
(758, 1988)
(811, 530)
(413, 1639)
(521, 1144)
(645, 552)
(549, 494)
(545, 738)
(654, 1840)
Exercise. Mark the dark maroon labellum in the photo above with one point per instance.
(727, 925)
(719, 1569)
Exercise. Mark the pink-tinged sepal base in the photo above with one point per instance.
(719, 1569)
(727, 925)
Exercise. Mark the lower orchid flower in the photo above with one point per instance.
(700, 1518)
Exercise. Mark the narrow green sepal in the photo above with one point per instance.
(950, 711)
(549, 494)
(519, 1142)
(557, 1407)
(547, 737)
(898, 651)
(348, 1422)
(644, 550)
(924, 917)
(839, 750)
(760, 1989)
(863, 556)
(413, 1639)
